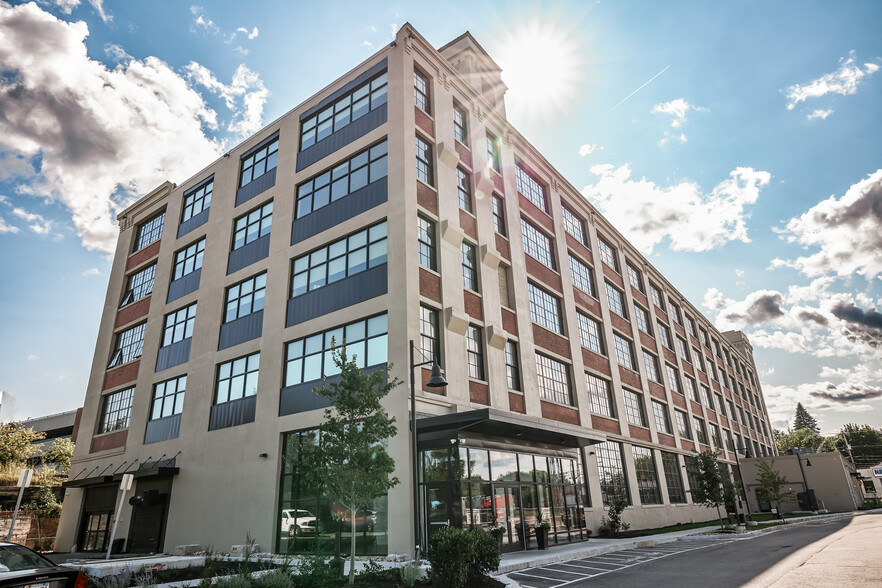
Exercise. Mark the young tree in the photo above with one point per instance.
(350, 463)
(59, 454)
(799, 439)
(44, 506)
(16, 444)
(712, 487)
(771, 486)
(803, 420)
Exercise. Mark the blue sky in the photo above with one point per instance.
(748, 169)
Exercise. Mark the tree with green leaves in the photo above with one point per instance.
(44, 506)
(59, 454)
(803, 420)
(17, 445)
(710, 482)
(350, 463)
(800, 439)
(862, 443)
(771, 486)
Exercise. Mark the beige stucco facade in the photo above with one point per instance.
(225, 483)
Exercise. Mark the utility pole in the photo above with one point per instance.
(848, 446)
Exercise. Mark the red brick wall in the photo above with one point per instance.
(139, 257)
(579, 248)
(711, 416)
(670, 357)
(498, 182)
(109, 441)
(551, 341)
(666, 440)
(630, 378)
(702, 377)
(516, 403)
(647, 341)
(612, 276)
(121, 375)
(587, 302)
(473, 305)
(509, 321)
(687, 445)
(543, 273)
(596, 361)
(696, 408)
(657, 390)
(678, 328)
(662, 315)
(425, 374)
(535, 213)
(132, 312)
(605, 424)
(639, 297)
(468, 224)
(502, 247)
(465, 155)
(423, 121)
(430, 285)
(556, 412)
(479, 393)
(619, 323)
(427, 198)
(637, 432)
(679, 400)
(687, 367)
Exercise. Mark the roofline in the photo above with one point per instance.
(475, 41)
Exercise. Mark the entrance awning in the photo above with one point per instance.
(150, 469)
(506, 425)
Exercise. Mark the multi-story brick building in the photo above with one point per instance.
(398, 204)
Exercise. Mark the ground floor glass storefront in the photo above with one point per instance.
(473, 487)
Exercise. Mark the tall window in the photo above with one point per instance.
(589, 334)
(426, 240)
(624, 352)
(544, 309)
(311, 358)
(690, 326)
(537, 244)
(715, 436)
(475, 352)
(704, 338)
(498, 215)
(635, 277)
(574, 225)
(149, 231)
(189, 259)
(608, 254)
(650, 362)
(674, 378)
(616, 300)
(676, 311)
(656, 294)
(179, 325)
(464, 189)
(581, 276)
(634, 408)
(684, 351)
(611, 471)
(363, 168)
(683, 424)
(493, 152)
(531, 188)
(421, 92)
(512, 365)
(345, 257)
(700, 358)
(259, 162)
(128, 346)
(245, 297)
(647, 477)
(700, 433)
(660, 414)
(197, 200)
(469, 267)
(424, 161)
(430, 335)
(139, 285)
(600, 396)
(460, 126)
(664, 335)
(237, 378)
(673, 478)
(642, 318)
(554, 380)
(168, 398)
(692, 390)
(366, 97)
(252, 226)
(116, 411)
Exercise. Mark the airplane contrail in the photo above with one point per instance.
(638, 89)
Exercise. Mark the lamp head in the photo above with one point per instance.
(436, 380)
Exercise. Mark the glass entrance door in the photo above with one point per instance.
(507, 502)
(439, 511)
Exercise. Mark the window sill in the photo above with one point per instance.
(549, 330)
(417, 106)
(612, 418)
(119, 365)
(105, 434)
(479, 381)
(652, 506)
(539, 208)
(556, 403)
(428, 185)
(430, 270)
(543, 263)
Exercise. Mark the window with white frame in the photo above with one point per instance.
(590, 335)
(650, 362)
(600, 396)
(634, 408)
(660, 414)
(460, 123)
(498, 215)
(683, 349)
(582, 276)
(530, 187)
(426, 242)
(493, 152)
(624, 352)
(607, 254)
(635, 277)
(574, 225)
(469, 266)
(512, 365)
(674, 378)
(475, 352)
(616, 300)
(554, 380)
(464, 189)
(642, 318)
(116, 411)
(656, 295)
(683, 425)
(676, 312)
(430, 334)
(237, 378)
(700, 434)
(424, 165)
(692, 390)
(421, 92)
(545, 309)
(664, 335)
(537, 244)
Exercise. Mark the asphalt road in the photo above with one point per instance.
(842, 552)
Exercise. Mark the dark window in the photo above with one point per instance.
(116, 411)
(421, 92)
(189, 259)
(469, 267)
(197, 200)
(345, 257)
(354, 105)
(545, 309)
(537, 244)
(129, 344)
(581, 276)
(600, 396)
(311, 358)
(464, 189)
(512, 365)
(355, 173)
(700, 433)
(590, 335)
(253, 225)
(493, 152)
(424, 161)
(460, 124)
(426, 238)
(149, 231)
(673, 478)
(139, 285)
(475, 352)
(554, 380)
(237, 378)
(530, 187)
(611, 470)
(574, 225)
(647, 477)
(498, 215)
(259, 162)
(179, 325)
(245, 297)
(168, 398)
(430, 335)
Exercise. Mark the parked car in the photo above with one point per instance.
(298, 522)
(20, 566)
(365, 520)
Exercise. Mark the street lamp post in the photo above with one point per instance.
(741, 476)
(808, 495)
(436, 380)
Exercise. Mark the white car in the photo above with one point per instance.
(299, 522)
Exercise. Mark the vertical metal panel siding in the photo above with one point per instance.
(184, 285)
(336, 212)
(240, 330)
(248, 254)
(197, 220)
(163, 429)
(174, 354)
(301, 398)
(341, 138)
(255, 187)
(346, 292)
(230, 414)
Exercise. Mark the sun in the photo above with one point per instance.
(540, 65)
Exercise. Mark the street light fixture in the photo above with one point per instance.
(436, 380)
(808, 495)
(746, 451)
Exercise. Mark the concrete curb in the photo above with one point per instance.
(767, 530)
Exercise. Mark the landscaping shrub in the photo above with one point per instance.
(410, 573)
(314, 571)
(462, 557)
(612, 525)
(237, 581)
(275, 579)
(374, 572)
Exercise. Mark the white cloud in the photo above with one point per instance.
(37, 223)
(251, 35)
(821, 114)
(246, 95)
(33, 357)
(91, 272)
(104, 135)
(587, 149)
(690, 219)
(116, 52)
(843, 81)
(242, 51)
(7, 228)
(202, 23)
(14, 165)
(98, 5)
(847, 231)
(677, 109)
(63, 6)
